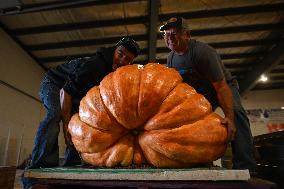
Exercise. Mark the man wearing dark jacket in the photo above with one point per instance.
(61, 91)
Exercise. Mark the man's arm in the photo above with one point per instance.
(66, 108)
(225, 99)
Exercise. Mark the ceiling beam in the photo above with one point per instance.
(276, 77)
(197, 32)
(241, 55)
(223, 56)
(226, 11)
(228, 44)
(281, 70)
(144, 20)
(267, 63)
(63, 4)
(82, 43)
(79, 25)
(244, 43)
(238, 73)
(269, 86)
(237, 29)
(239, 65)
(10, 3)
(111, 40)
(162, 61)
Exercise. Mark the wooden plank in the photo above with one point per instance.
(139, 174)
(79, 184)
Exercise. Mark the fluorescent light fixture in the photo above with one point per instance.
(263, 78)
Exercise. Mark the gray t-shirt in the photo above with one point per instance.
(205, 59)
(200, 66)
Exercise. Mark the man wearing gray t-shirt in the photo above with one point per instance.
(202, 68)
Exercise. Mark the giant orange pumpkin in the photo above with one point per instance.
(145, 114)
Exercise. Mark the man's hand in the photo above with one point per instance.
(67, 135)
(231, 129)
(66, 106)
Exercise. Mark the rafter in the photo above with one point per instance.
(223, 56)
(226, 11)
(111, 40)
(270, 86)
(82, 43)
(281, 70)
(57, 5)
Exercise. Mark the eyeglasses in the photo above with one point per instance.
(168, 34)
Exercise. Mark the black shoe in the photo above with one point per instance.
(33, 166)
(253, 173)
(71, 157)
(71, 163)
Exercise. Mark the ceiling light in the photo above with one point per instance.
(282, 108)
(263, 78)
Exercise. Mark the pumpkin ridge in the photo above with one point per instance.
(162, 101)
(170, 142)
(92, 103)
(119, 92)
(168, 95)
(176, 117)
(109, 113)
(160, 159)
(83, 131)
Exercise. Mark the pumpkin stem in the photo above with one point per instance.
(134, 132)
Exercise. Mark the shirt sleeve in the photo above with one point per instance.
(86, 75)
(70, 87)
(72, 84)
(209, 63)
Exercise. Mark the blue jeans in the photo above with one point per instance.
(242, 145)
(46, 152)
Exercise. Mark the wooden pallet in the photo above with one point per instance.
(54, 178)
(139, 174)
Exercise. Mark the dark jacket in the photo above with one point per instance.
(78, 76)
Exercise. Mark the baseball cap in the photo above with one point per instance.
(175, 22)
(130, 45)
